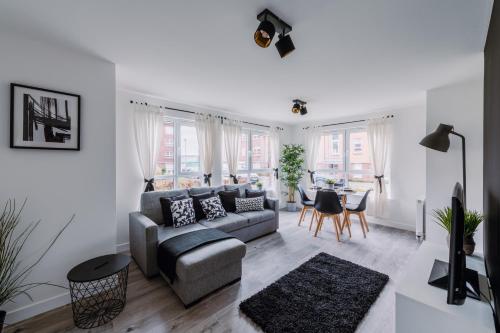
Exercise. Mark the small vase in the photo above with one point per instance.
(469, 245)
(259, 187)
(330, 186)
(2, 319)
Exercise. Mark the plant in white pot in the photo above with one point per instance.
(13, 270)
(291, 165)
(472, 220)
(330, 183)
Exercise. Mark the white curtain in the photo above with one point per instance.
(274, 142)
(148, 131)
(311, 146)
(232, 131)
(207, 129)
(379, 142)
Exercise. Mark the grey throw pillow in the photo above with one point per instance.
(182, 212)
(249, 204)
(212, 207)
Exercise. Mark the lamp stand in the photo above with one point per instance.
(463, 166)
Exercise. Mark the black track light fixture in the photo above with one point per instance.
(299, 107)
(269, 24)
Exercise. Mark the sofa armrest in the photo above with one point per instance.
(143, 238)
(274, 204)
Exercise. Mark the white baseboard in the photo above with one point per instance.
(37, 308)
(123, 247)
(391, 223)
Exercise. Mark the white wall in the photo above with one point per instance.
(407, 171)
(129, 180)
(60, 183)
(461, 105)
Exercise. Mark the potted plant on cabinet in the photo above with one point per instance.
(472, 220)
(259, 185)
(13, 270)
(291, 163)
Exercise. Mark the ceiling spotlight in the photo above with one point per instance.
(299, 107)
(284, 45)
(296, 108)
(264, 34)
(269, 24)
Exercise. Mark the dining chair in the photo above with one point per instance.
(327, 205)
(358, 210)
(307, 204)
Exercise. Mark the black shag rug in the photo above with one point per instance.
(325, 294)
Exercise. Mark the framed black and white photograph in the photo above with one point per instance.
(43, 118)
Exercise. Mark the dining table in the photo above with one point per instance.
(346, 196)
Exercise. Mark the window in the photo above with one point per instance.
(254, 161)
(179, 161)
(344, 155)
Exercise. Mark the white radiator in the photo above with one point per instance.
(420, 219)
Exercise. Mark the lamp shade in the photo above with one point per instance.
(264, 34)
(284, 45)
(439, 139)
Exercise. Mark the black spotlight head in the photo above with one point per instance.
(285, 45)
(303, 110)
(296, 108)
(264, 34)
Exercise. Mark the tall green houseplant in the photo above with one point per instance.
(292, 161)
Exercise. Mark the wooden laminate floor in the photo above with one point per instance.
(153, 307)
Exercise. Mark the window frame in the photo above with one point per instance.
(346, 158)
(177, 173)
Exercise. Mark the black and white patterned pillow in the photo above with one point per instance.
(212, 207)
(182, 212)
(249, 204)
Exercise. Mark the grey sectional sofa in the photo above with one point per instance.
(209, 267)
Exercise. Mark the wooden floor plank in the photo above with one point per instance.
(153, 307)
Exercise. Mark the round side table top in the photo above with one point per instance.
(98, 268)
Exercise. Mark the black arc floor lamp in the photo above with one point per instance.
(440, 140)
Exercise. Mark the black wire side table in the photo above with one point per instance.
(98, 289)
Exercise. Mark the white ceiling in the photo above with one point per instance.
(351, 57)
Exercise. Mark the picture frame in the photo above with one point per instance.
(44, 118)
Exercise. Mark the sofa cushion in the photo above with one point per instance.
(212, 207)
(210, 258)
(166, 211)
(249, 204)
(255, 193)
(229, 223)
(241, 187)
(150, 203)
(201, 190)
(228, 199)
(165, 232)
(258, 217)
(182, 212)
(197, 205)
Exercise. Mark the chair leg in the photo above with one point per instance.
(335, 222)
(348, 226)
(365, 222)
(318, 225)
(302, 213)
(314, 216)
(362, 225)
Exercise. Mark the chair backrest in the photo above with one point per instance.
(303, 195)
(327, 201)
(362, 203)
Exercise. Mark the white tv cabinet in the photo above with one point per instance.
(423, 308)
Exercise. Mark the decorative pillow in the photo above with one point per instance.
(212, 207)
(228, 199)
(255, 193)
(249, 204)
(198, 210)
(182, 212)
(165, 208)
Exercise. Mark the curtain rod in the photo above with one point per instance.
(192, 112)
(347, 122)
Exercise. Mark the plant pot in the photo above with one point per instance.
(330, 186)
(469, 245)
(290, 206)
(259, 188)
(2, 319)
